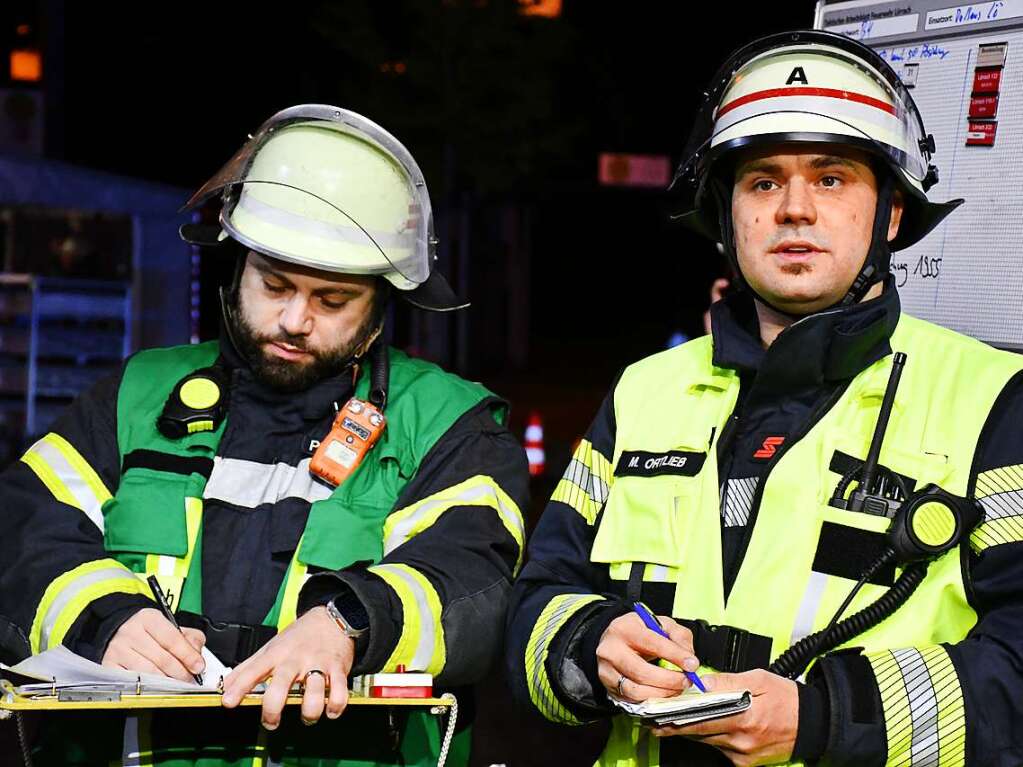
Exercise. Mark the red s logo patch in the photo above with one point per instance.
(768, 449)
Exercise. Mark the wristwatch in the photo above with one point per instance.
(354, 621)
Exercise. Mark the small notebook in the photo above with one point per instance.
(687, 708)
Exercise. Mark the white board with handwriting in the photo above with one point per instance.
(968, 273)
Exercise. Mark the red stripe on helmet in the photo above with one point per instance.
(831, 93)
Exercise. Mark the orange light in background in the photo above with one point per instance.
(26, 65)
(394, 67)
(23, 30)
(550, 9)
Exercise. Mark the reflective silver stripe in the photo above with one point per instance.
(579, 473)
(425, 645)
(657, 574)
(354, 234)
(87, 500)
(250, 484)
(1002, 505)
(738, 501)
(550, 628)
(809, 606)
(923, 707)
(130, 756)
(403, 529)
(70, 591)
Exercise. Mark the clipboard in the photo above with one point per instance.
(13, 704)
(69, 699)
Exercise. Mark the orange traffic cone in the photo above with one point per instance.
(534, 444)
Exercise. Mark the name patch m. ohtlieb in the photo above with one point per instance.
(640, 463)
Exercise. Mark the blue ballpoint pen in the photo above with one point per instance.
(654, 625)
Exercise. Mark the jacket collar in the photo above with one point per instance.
(832, 346)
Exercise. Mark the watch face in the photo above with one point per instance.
(352, 611)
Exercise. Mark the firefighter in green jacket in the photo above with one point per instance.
(243, 474)
(788, 493)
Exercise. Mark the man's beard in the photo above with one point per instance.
(282, 375)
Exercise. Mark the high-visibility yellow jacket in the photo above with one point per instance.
(639, 515)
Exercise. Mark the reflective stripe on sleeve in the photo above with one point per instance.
(1000, 493)
(480, 490)
(925, 719)
(68, 476)
(586, 482)
(421, 644)
(553, 617)
(69, 594)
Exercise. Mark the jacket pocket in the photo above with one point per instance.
(148, 513)
(644, 519)
(340, 532)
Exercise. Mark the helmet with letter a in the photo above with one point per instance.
(812, 87)
(324, 187)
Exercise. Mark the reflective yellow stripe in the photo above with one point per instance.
(1000, 493)
(68, 476)
(553, 617)
(480, 490)
(81, 466)
(571, 494)
(295, 578)
(421, 644)
(49, 478)
(165, 564)
(71, 592)
(996, 532)
(586, 483)
(1001, 480)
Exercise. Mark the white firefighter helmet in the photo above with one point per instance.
(324, 187)
(812, 87)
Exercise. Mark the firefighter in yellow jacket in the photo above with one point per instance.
(823, 483)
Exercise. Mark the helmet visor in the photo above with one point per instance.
(289, 193)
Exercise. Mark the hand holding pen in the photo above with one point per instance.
(623, 652)
(651, 622)
(164, 605)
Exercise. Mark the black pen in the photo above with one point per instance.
(165, 609)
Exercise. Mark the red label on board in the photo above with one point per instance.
(984, 106)
(981, 133)
(987, 80)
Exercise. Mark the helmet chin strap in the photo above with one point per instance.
(875, 267)
(879, 256)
